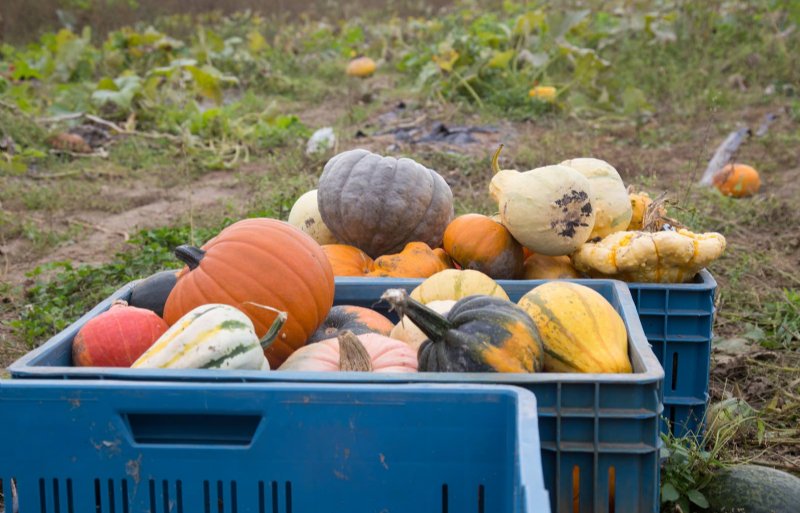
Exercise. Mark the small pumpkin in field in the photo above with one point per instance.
(304, 215)
(253, 262)
(455, 284)
(212, 336)
(580, 330)
(609, 197)
(348, 260)
(477, 242)
(737, 180)
(356, 319)
(547, 209)
(116, 337)
(380, 204)
(369, 352)
(479, 334)
(153, 291)
(417, 260)
(408, 332)
(361, 67)
(543, 267)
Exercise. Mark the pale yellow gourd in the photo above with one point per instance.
(654, 257)
(455, 284)
(409, 333)
(610, 201)
(547, 209)
(305, 216)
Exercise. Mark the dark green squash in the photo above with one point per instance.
(480, 334)
(357, 319)
(152, 292)
(752, 489)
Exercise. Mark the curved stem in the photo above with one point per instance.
(189, 255)
(272, 332)
(353, 356)
(495, 165)
(430, 322)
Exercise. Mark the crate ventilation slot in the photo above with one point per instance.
(268, 497)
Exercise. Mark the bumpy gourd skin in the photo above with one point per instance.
(657, 257)
(487, 334)
(379, 204)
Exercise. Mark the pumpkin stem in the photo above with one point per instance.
(190, 255)
(353, 356)
(272, 332)
(118, 303)
(495, 165)
(431, 323)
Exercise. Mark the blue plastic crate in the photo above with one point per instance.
(122, 447)
(678, 320)
(599, 433)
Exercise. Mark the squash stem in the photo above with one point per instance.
(189, 255)
(430, 322)
(353, 356)
(272, 332)
(495, 158)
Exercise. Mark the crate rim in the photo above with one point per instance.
(26, 366)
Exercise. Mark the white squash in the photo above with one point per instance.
(547, 209)
(212, 336)
(609, 196)
(305, 216)
(409, 333)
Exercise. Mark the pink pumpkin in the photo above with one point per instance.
(370, 352)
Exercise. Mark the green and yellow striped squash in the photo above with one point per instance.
(211, 336)
(455, 284)
(580, 330)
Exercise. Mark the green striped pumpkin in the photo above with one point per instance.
(580, 330)
(212, 336)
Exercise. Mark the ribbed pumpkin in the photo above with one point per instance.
(380, 204)
(610, 201)
(153, 291)
(455, 284)
(408, 332)
(348, 260)
(369, 352)
(580, 330)
(356, 319)
(304, 215)
(543, 267)
(116, 337)
(262, 261)
(477, 242)
(417, 260)
(737, 180)
(479, 334)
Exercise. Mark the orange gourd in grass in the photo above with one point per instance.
(737, 180)
(477, 242)
(259, 262)
(417, 260)
(370, 352)
(348, 260)
(117, 337)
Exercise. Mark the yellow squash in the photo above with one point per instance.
(455, 284)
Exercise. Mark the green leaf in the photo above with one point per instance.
(697, 498)
(256, 42)
(634, 101)
(529, 22)
(501, 59)
(669, 493)
(207, 84)
(106, 84)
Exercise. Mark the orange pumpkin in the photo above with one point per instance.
(348, 260)
(417, 260)
(257, 262)
(543, 267)
(477, 242)
(737, 180)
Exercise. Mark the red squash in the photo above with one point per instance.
(117, 337)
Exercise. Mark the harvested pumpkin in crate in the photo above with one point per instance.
(479, 334)
(650, 257)
(408, 332)
(580, 330)
(348, 260)
(455, 284)
(369, 352)
(417, 260)
(305, 216)
(356, 319)
(543, 267)
(478, 242)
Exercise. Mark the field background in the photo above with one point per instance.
(190, 120)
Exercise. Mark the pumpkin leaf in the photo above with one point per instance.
(501, 59)
(447, 60)
(697, 498)
(669, 493)
(256, 42)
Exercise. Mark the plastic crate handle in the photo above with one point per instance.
(192, 429)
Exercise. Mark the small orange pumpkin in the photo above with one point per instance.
(254, 262)
(417, 260)
(477, 242)
(543, 267)
(737, 180)
(348, 260)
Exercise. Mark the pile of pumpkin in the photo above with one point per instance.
(260, 294)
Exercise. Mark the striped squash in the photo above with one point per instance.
(580, 330)
(212, 336)
(455, 284)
